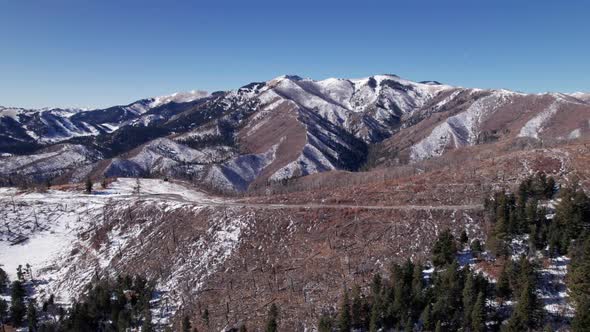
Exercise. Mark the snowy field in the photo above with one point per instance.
(37, 227)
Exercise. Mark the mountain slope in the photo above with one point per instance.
(289, 127)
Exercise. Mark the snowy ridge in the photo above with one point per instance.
(337, 100)
(179, 97)
(535, 125)
(208, 137)
(53, 125)
(53, 160)
(165, 156)
(51, 231)
(459, 130)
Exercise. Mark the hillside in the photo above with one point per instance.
(282, 129)
(329, 183)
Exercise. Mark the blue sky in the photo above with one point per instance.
(100, 53)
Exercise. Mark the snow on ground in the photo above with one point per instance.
(461, 129)
(535, 125)
(206, 256)
(153, 187)
(553, 291)
(37, 228)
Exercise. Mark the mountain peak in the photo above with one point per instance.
(179, 97)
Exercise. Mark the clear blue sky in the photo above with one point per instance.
(100, 53)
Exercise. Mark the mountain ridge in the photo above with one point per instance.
(288, 127)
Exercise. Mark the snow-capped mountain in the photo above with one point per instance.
(288, 127)
(52, 125)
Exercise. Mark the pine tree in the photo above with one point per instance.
(17, 306)
(503, 290)
(88, 186)
(32, 316)
(578, 281)
(503, 218)
(426, 318)
(478, 314)
(3, 311)
(376, 285)
(417, 292)
(476, 247)
(376, 313)
(409, 325)
(147, 325)
(527, 312)
(271, 323)
(444, 249)
(205, 317)
(344, 319)
(325, 324)
(3, 281)
(186, 324)
(581, 321)
(357, 308)
(124, 320)
(463, 238)
(469, 297)
(438, 327)
(531, 212)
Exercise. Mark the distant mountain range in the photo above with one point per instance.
(276, 130)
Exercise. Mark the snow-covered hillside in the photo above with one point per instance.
(46, 229)
(52, 125)
(283, 128)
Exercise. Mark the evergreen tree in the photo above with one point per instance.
(426, 318)
(417, 292)
(447, 306)
(376, 315)
(444, 249)
(88, 186)
(578, 281)
(357, 308)
(325, 324)
(205, 317)
(3, 281)
(499, 234)
(531, 210)
(17, 306)
(438, 327)
(463, 238)
(32, 316)
(186, 324)
(344, 319)
(271, 323)
(409, 325)
(3, 311)
(147, 325)
(527, 313)
(124, 320)
(478, 314)
(469, 298)
(476, 247)
(581, 321)
(376, 285)
(550, 188)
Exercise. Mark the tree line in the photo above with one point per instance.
(456, 298)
